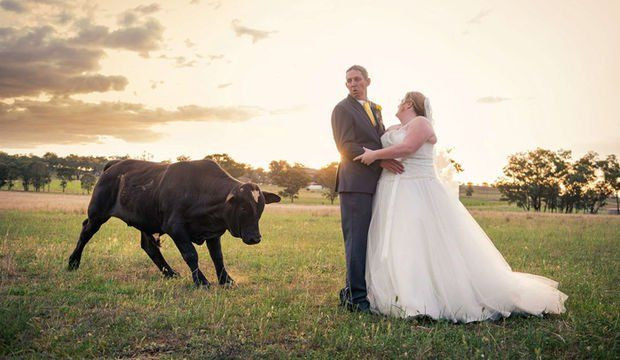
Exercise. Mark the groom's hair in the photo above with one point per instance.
(359, 68)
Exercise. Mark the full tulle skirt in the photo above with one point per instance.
(428, 256)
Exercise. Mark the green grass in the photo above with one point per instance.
(73, 187)
(117, 304)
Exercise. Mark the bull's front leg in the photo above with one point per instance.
(183, 241)
(215, 250)
(150, 246)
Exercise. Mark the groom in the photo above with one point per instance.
(357, 123)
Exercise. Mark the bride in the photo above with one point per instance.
(426, 254)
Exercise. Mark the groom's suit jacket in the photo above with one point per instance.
(353, 130)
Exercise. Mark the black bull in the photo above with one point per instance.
(192, 202)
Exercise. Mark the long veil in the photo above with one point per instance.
(446, 172)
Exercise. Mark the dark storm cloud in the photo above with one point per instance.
(255, 34)
(27, 123)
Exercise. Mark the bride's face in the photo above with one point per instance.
(403, 107)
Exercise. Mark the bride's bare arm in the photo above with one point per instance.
(418, 132)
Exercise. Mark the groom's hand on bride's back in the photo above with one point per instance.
(392, 165)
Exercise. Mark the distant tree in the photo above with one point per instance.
(40, 174)
(183, 158)
(4, 174)
(579, 176)
(12, 168)
(326, 176)
(258, 175)
(235, 169)
(24, 170)
(291, 178)
(98, 163)
(147, 156)
(532, 179)
(611, 174)
(469, 190)
(65, 175)
(88, 182)
(52, 160)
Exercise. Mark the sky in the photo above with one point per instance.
(259, 79)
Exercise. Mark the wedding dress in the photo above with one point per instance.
(428, 256)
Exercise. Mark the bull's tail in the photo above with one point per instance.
(110, 163)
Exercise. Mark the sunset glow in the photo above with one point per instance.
(258, 80)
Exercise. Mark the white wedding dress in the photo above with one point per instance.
(428, 256)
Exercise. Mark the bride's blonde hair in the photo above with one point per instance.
(416, 99)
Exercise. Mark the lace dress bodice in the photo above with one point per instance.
(418, 164)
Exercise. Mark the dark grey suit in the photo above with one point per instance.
(356, 184)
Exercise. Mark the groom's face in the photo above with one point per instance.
(357, 84)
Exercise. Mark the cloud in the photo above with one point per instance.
(213, 4)
(63, 18)
(142, 38)
(148, 9)
(255, 34)
(13, 5)
(129, 17)
(189, 43)
(225, 85)
(35, 60)
(179, 61)
(22, 6)
(155, 84)
(478, 18)
(492, 99)
(27, 123)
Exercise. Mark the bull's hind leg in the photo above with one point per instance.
(183, 242)
(89, 227)
(215, 250)
(150, 246)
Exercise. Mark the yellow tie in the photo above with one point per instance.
(369, 112)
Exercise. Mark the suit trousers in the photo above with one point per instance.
(355, 212)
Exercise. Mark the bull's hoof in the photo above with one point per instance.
(170, 274)
(73, 264)
(204, 286)
(228, 282)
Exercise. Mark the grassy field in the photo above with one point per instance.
(284, 304)
(483, 198)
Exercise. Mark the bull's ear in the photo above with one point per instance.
(271, 197)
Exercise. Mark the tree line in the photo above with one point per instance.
(545, 180)
(36, 172)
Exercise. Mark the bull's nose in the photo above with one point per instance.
(253, 240)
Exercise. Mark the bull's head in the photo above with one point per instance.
(242, 210)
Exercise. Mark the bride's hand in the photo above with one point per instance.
(367, 158)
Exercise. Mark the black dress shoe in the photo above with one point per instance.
(362, 307)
